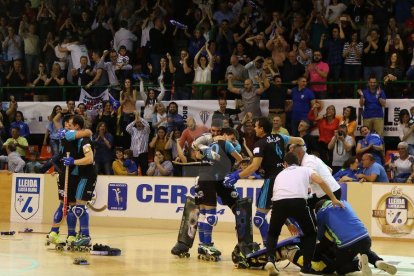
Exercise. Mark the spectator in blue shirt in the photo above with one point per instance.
(371, 143)
(174, 120)
(24, 130)
(373, 172)
(349, 170)
(373, 100)
(303, 98)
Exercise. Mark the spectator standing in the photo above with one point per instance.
(367, 27)
(352, 53)
(158, 42)
(182, 76)
(292, 69)
(159, 117)
(238, 72)
(318, 72)
(302, 98)
(250, 95)
(83, 75)
(31, 48)
(12, 45)
(203, 66)
(373, 101)
(39, 81)
(106, 115)
(191, 133)
(139, 130)
(128, 100)
(56, 78)
(124, 37)
(304, 53)
(150, 100)
(406, 130)
(348, 119)
(174, 120)
(277, 95)
(394, 72)
(98, 73)
(19, 123)
(224, 113)
(341, 144)
(103, 144)
(16, 77)
(373, 55)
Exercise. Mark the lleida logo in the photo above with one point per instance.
(27, 196)
(395, 213)
(117, 196)
(204, 115)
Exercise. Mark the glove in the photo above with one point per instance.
(68, 161)
(211, 155)
(61, 133)
(231, 179)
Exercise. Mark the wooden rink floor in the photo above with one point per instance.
(147, 252)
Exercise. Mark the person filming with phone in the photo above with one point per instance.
(341, 144)
(373, 100)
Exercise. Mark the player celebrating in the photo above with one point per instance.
(67, 144)
(83, 170)
(268, 155)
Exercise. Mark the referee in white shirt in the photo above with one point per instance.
(290, 192)
(315, 163)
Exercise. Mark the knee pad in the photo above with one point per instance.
(211, 219)
(79, 210)
(258, 221)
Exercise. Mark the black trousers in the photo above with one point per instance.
(142, 162)
(296, 208)
(345, 257)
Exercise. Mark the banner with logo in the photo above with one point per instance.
(202, 111)
(392, 211)
(93, 103)
(27, 198)
(157, 197)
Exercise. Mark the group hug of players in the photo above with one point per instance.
(76, 183)
(343, 246)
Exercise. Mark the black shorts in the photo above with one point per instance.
(207, 192)
(85, 188)
(264, 200)
(72, 184)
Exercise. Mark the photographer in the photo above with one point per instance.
(341, 144)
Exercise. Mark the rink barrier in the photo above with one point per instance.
(387, 209)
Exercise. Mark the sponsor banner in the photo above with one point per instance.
(37, 115)
(27, 198)
(158, 197)
(392, 211)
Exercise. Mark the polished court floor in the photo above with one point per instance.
(147, 252)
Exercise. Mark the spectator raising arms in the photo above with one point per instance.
(150, 100)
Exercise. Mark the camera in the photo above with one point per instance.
(411, 121)
(341, 133)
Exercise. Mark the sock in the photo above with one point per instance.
(71, 221)
(201, 224)
(261, 222)
(57, 218)
(208, 227)
(82, 214)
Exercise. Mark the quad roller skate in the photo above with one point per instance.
(69, 242)
(180, 250)
(54, 238)
(208, 252)
(81, 244)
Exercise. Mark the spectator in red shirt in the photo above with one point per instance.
(327, 124)
(192, 132)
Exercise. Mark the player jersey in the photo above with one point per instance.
(219, 168)
(68, 144)
(272, 149)
(86, 171)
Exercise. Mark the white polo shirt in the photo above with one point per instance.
(315, 163)
(292, 182)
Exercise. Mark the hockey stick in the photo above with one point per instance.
(93, 208)
(199, 163)
(65, 191)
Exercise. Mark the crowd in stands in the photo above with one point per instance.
(165, 50)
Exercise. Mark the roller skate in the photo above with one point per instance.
(54, 238)
(69, 242)
(82, 244)
(208, 252)
(180, 250)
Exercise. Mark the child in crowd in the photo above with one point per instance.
(129, 163)
(33, 165)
